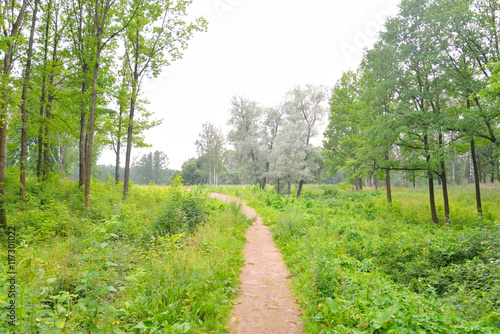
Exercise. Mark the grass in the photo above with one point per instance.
(361, 265)
(110, 269)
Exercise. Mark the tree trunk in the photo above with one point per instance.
(444, 183)
(43, 98)
(472, 169)
(48, 112)
(90, 143)
(453, 171)
(82, 145)
(46, 144)
(430, 177)
(432, 199)
(388, 185)
(265, 177)
(24, 97)
(133, 100)
(498, 171)
(129, 145)
(299, 191)
(445, 193)
(375, 178)
(118, 146)
(476, 176)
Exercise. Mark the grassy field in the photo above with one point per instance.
(166, 260)
(361, 265)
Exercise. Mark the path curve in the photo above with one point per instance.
(265, 304)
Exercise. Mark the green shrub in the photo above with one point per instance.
(183, 212)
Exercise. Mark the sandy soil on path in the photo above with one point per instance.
(265, 304)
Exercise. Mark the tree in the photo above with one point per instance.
(24, 98)
(304, 109)
(210, 146)
(158, 34)
(246, 137)
(11, 21)
(344, 134)
(191, 171)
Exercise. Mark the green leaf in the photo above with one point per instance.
(25, 263)
(145, 325)
(60, 309)
(386, 315)
(111, 289)
(80, 287)
(332, 305)
(357, 331)
(60, 323)
(182, 328)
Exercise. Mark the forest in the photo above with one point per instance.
(382, 192)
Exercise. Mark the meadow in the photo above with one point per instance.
(361, 265)
(166, 260)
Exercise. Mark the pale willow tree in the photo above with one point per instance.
(272, 122)
(304, 107)
(290, 158)
(157, 35)
(210, 146)
(246, 138)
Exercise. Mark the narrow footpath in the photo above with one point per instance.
(265, 304)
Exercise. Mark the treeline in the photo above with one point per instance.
(150, 168)
(71, 81)
(425, 97)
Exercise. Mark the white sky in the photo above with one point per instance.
(258, 49)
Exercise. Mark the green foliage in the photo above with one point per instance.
(183, 212)
(108, 270)
(360, 265)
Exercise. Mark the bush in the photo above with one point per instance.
(183, 212)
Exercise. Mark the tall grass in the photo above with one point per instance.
(108, 269)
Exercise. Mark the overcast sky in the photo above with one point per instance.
(258, 49)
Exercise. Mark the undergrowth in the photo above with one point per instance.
(166, 260)
(361, 265)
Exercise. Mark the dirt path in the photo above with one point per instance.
(265, 304)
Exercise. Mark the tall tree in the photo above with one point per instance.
(157, 35)
(305, 109)
(24, 98)
(246, 138)
(210, 146)
(10, 25)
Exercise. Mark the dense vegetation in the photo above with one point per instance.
(166, 260)
(72, 78)
(424, 97)
(361, 265)
(423, 108)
